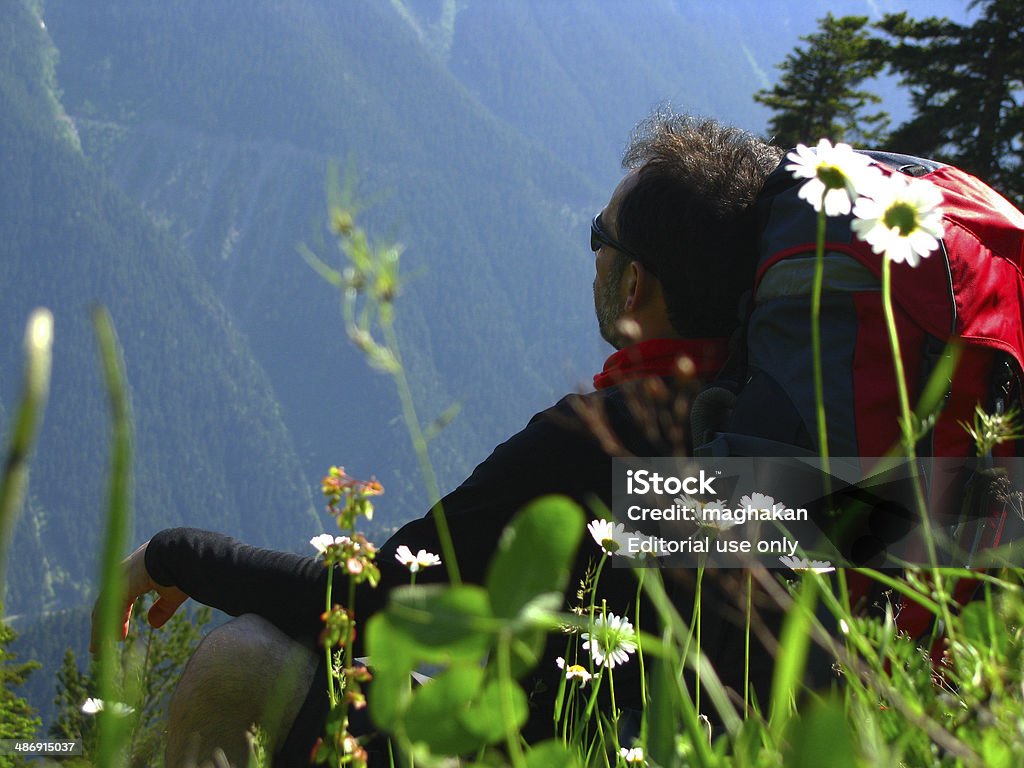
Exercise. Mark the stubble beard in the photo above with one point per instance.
(608, 310)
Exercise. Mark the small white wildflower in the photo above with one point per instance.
(573, 671)
(758, 501)
(633, 756)
(901, 218)
(421, 559)
(835, 175)
(688, 502)
(603, 532)
(614, 539)
(707, 514)
(800, 564)
(611, 537)
(93, 706)
(610, 641)
(322, 542)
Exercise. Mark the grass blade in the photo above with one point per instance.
(112, 728)
(794, 644)
(38, 355)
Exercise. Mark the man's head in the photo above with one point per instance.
(683, 214)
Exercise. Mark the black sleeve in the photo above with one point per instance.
(285, 588)
(553, 454)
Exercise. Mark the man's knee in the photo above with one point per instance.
(244, 672)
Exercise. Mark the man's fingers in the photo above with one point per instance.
(94, 629)
(137, 583)
(166, 606)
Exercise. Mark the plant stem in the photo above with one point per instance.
(419, 443)
(331, 694)
(515, 750)
(819, 388)
(615, 712)
(640, 658)
(593, 589)
(907, 438)
(350, 629)
(697, 623)
(746, 646)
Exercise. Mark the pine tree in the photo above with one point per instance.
(17, 719)
(73, 688)
(819, 93)
(967, 90)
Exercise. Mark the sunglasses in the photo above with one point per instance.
(599, 238)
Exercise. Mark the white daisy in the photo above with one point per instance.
(901, 217)
(93, 706)
(611, 537)
(707, 514)
(421, 559)
(633, 756)
(801, 564)
(758, 501)
(835, 175)
(573, 671)
(610, 641)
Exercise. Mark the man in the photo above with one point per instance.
(674, 252)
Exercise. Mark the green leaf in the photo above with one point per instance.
(662, 723)
(529, 632)
(527, 577)
(980, 630)
(995, 751)
(491, 719)
(436, 716)
(392, 663)
(535, 554)
(823, 733)
(549, 753)
(934, 394)
(438, 623)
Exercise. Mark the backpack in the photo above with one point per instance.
(970, 290)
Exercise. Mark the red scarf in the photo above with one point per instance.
(660, 357)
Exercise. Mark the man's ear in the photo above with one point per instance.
(628, 286)
(641, 285)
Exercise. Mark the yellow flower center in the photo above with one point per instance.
(902, 217)
(831, 176)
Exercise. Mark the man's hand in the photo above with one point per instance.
(137, 583)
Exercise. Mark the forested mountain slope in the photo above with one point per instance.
(209, 438)
(222, 118)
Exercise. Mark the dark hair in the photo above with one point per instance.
(689, 215)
